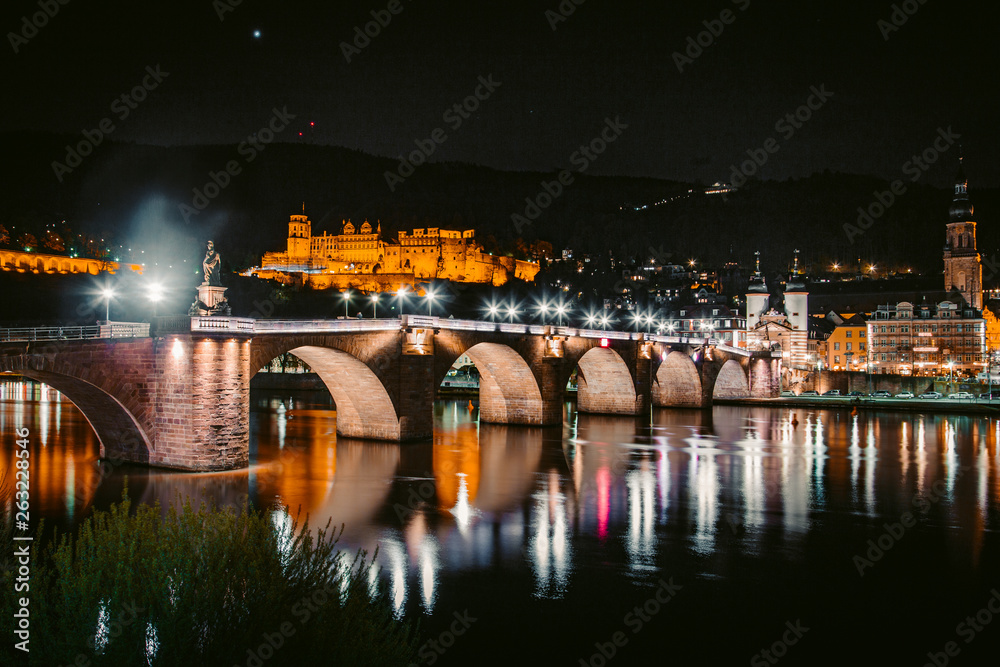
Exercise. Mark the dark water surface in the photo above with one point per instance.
(703, 538)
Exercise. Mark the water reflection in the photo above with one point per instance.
(599, 493)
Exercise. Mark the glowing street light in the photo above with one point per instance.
(430, 295)
(493, 310)
(560, 311)
(347, 300)
(155, 295)
(375, 306)
(591, 318)
(604, 321)
(691, 263)
(401, 297)
(511, 311)
(836, 266)
(108, 294)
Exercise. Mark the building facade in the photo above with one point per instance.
(929, 339)
(355, 256)
(847, 346)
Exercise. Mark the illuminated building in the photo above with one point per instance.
(359, 258)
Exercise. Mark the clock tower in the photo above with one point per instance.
(963, 270)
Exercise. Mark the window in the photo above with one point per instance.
(861, 346)
(883, 329)
(848, 334)
(836, 359)
(892, 329)
(836, 346)
(862, 334)
(848, 346)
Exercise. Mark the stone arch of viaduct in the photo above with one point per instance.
(182, 400)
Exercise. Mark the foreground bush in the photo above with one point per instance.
(203, 586)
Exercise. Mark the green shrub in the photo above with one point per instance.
(205, 586)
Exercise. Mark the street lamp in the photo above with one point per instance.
(401, 297)
(604, 322)
(347, 300)
(375, 306)
(493, 310)
(108, 294)
(430, 296)
(560, 311)
(155, 295)
(511, 311)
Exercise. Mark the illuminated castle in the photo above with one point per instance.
(359, 258)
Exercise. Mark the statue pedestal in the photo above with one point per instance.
(212, 300)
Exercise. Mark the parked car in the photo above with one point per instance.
(961, 394)
(856, 394)
(809, 392)
(832, 392)
(931, 394)
(788, 394)
(904, 394)
(881, 393)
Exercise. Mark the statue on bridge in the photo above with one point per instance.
(211, 294)
(211, 266)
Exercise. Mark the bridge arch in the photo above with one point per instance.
(604, 383)
(508, 391)
(678, 383)
(119, 433)
(364, 407)
(731, 381)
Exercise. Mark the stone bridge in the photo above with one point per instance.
(179, 397)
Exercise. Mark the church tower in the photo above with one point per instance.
(963, 270)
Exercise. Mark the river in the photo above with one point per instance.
(735, 535)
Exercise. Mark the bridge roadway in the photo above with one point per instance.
(178, 395)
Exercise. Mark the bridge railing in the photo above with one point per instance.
(106, 330)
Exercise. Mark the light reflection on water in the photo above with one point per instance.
(599, 495)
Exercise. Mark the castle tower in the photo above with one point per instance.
(299, 237)
(758, 297)
(963, 270)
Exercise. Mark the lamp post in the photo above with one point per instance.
(155, 294)
(375, 306)
(401, 297)
(347, 300)
(429, 295)
(107, 293)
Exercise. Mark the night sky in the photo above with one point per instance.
(557, 87)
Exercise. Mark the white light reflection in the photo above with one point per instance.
(950, 456)
(705, 480)
(549, 547)
(429, 565)
(393, 551)
(641, 542)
